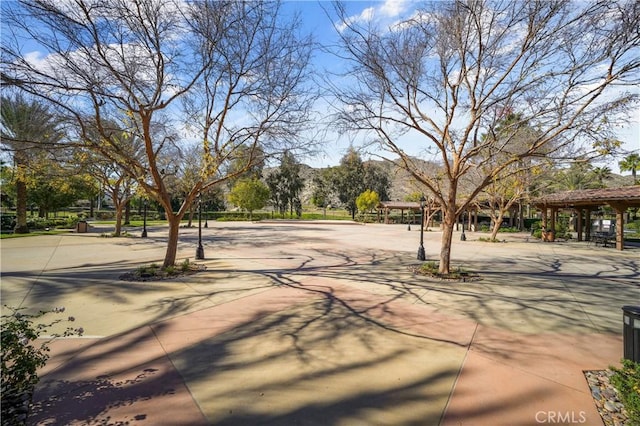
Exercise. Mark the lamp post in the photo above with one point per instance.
(463, 237)
(200, 249)
(206, 216)
(421, 254)
(144, 220)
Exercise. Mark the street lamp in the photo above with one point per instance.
(421, 255)
(206, 216)
(144, 220)
(200, 249)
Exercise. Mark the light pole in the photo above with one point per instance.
(421, 255)
(144, 220)
(206, 216)
(200, 249)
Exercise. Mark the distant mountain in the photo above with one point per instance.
(403, 184)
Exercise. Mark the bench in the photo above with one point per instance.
(604, 238)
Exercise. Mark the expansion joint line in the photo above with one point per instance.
(44, 268)
(455, 382)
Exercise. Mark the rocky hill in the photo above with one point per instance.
(403, 184)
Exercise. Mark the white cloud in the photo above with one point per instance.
(392, 8)
(37, 60)
(381, 13)
(365, 16)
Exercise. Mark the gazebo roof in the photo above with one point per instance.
(628, 196)
(399, 205)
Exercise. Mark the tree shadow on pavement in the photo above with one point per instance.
(73, 402)
(313, 363)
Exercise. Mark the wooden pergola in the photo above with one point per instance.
(387, 206)
(585, 201)
(430, 208)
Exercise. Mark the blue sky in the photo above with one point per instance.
(387, 12)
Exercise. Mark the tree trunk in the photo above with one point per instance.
(21, 195)
(21, 207)
(190, 223)
(172, 243)
(127, 212)
(118, 231)
(497, 221)
(448, 223)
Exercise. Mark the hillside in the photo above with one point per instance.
(403, 184)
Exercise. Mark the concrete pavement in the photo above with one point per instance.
(322, 324)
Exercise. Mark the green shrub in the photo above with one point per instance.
(35, 223)
(155, 272)
(509, 229)
(185, 265)
(235, 218)
(533, 224)
(105, 215)
(430, 267)
(634, 227)
(22, 357)
(627, 381)
(489, 240)
(147, 270)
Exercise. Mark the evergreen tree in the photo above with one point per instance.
(348, 180)
(377, 179)
(352, 177)
(285, 185)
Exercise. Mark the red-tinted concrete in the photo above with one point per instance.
(315, 325)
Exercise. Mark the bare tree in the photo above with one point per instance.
(238, 66)
(453, 71)
(507, 187)
(113, 180)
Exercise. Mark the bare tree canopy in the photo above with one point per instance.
(230, 75)
(445, 79)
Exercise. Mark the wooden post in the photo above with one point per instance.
(620, 208)
(475, 219)
(426, 217)
(620, 229)
(579, 224)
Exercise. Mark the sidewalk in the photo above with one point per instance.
(322, 325)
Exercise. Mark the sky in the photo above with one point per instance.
(386, 12)
(316, 21)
